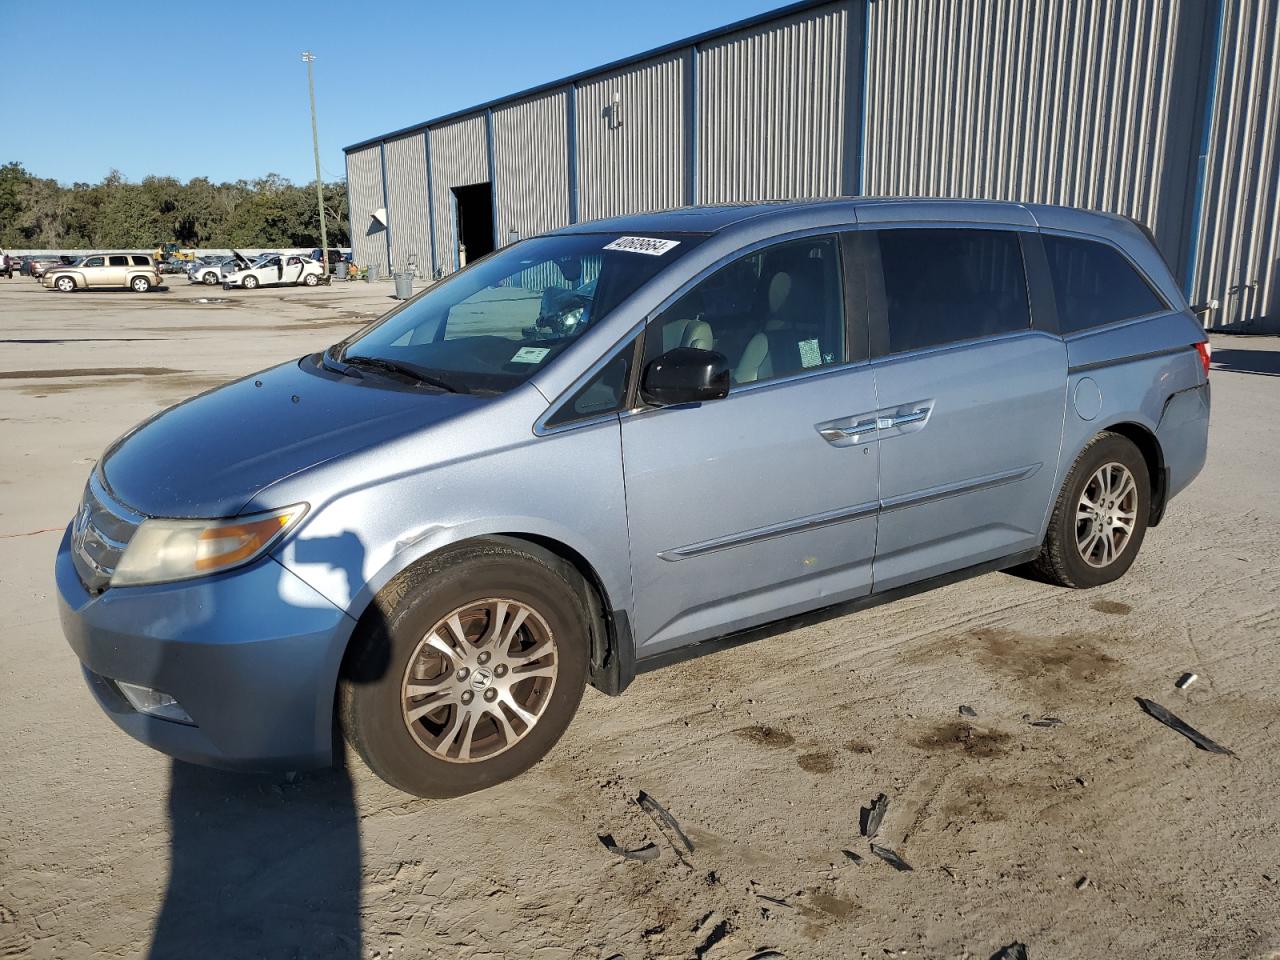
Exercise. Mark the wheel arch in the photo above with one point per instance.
(1144, 438)
(612, 665)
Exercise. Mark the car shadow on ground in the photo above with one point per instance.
(1263, 362)
(260, 867)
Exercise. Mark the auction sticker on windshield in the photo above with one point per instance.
(647, 245)
(530, 354)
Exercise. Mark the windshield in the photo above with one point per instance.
(497, 323)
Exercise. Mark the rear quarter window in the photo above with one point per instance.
(142, 261)
(1093, 284)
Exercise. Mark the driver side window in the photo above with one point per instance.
(773, 313)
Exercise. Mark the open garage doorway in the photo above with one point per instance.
(472, 222)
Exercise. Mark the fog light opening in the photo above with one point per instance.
(154, 703)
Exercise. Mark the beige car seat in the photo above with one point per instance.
(755, 363)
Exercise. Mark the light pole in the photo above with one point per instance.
(309, 58)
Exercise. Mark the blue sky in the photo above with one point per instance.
(217, 89)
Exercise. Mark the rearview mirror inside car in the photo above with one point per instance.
(685, 375)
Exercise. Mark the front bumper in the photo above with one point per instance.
(252, 655)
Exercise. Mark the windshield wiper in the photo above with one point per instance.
(401, 370)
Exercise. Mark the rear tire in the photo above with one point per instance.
(311, 280)
(1100, 517)
(140, 284)
(209, 279)
(393, 671)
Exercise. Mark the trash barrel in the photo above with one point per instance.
(404, 285)
(371, 273)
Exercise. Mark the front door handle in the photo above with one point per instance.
(852, 432)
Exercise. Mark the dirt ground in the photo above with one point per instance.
(1107, 835)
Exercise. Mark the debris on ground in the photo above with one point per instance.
(1082, 883)
(714, 935)
(967, 711)
(648, 852)
(1044, 721)
(1014, 951)
(1186, 680)
(776, 901)
(766, 955)
(852, 856)
(890, 857)
(1175, 723)
(871, 816)
(663, 819)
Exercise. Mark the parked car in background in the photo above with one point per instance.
(211, 270)
(439, 529)
(276, 269)
(41, 263)
(130, 271)
(337, 259)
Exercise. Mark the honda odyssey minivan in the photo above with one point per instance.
(601, 445)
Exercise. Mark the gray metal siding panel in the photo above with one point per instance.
(459, 156)
(364, 183)
(1239, 242)
(407, 202)
(638, 165)
(531, 164)
(1027, 101)
(771, 109)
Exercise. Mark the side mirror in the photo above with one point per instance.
(685, 375)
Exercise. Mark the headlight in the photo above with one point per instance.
(165, 550)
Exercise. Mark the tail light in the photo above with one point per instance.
(1206, 354)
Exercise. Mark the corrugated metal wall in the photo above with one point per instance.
(1238, 262)
(640, 163)
(770, 104)
(531, 165)
(407, 202)
(1020, 100)
(364, 185)
(459, 156)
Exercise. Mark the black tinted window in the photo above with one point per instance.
(772, 313)
(142, 261)
(603, 393)
(942, 286)
(1093, 284)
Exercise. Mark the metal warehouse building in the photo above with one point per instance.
(1164, 110)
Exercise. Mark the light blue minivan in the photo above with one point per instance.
(598, 447)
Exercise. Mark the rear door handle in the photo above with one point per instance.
(915, 416)
(854, 432)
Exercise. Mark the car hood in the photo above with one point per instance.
(210, 455)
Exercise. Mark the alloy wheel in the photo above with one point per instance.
(1106, 515)
(479, 680)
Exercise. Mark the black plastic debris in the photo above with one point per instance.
(648, 852)
(1014, 951)
(1175, 723)
(1043, 721)
(767, 955)
(890, 857)
(776, 901)
(852, 856)
(1186, 680)
(660, 816)
(871, 816)
(967, 711)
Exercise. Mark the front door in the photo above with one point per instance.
(971, 400)
(761, 504)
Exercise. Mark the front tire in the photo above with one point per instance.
(250, 282)
(65, 285)
(1100, 518)
(209, 279)
(140, 284)
(467, 671)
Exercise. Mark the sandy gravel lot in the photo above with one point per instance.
(1108, 835)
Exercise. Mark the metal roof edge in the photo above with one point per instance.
(784, 11)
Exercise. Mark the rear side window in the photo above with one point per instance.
(1093, 284)
(943, 286)
(142, 261)
(772, 314)
(118, 261)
